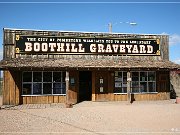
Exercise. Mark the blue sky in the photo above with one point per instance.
(152, 17)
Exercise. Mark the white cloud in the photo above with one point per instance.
(174, 39)
(177, 61)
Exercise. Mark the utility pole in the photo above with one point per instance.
(130, 23)
(110, 27)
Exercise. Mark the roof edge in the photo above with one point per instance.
(84, 32)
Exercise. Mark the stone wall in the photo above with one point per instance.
(175, 82)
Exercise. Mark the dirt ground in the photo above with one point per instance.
(143, 117)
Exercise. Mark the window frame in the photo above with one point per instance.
(147, 81)
(139, 82)
(122, 82)
(61, 82)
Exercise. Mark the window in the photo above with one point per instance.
(143, 81)
(120, 82)
(43, 83)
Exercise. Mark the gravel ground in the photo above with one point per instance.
(153, 117)
(0, 100)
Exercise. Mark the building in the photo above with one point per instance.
(42, 66)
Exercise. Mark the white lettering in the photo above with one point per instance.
(135, 49)
(81, 49)
(44, 47)
(149, 49)
(115, 48)
(100, 48)
(129, 48)
(108, 48)
(122, 48)
(28, 46)
(52, 46)
(93, 48)
(73, 48)
(36, 47)
(142, 49)
(60, 47)
(67, 47)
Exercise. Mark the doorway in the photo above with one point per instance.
(85, 86)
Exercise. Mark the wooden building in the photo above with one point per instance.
(58, 66)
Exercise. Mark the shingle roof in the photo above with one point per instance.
(87, 63)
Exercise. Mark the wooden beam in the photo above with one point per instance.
(67, 87)
(129, 87)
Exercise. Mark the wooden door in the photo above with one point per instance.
(101, 85)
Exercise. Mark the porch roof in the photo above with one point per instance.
(86, 63)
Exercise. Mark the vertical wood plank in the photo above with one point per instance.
(24, 100)
(50, 99)
(12, 88)
(6, 88)
(56, 99)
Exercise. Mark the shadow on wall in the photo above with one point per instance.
(172, 92)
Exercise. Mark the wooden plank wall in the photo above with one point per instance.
(73, 89)
(12, 87)
(135, 97)
(43, 99)
(162, 89)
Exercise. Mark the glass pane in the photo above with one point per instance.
(124, 90)
(135, 76)
(27, 77)
(47, 76)
(118, 84)
(37, 76)
(27, 89)
(143, 76)
(37, 88)
(152, 86)
(135, 87)
(120, 74)
(118, 90)
(64, 88)
(63, 77)
(151, 76)
(124, 77)
(56, 88)
(47, 88)
(143, 87)
(56, 76)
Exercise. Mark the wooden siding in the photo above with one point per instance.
(73, 88)
(13, 85)
(163, 81)
(134, 97)
(11, 88)
(43, 99)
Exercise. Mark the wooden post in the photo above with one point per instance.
(129, 87)
(93, 86)
(68, 105)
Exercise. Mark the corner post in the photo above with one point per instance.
(67, 87)
(129, 87)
